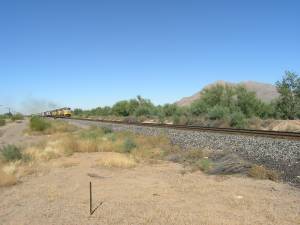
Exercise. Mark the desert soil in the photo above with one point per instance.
(58, 193)
(14, 133)
(285, 125)
(148, 194)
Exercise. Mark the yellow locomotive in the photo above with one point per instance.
(58, 113)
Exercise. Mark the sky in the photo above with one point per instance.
(93, 53)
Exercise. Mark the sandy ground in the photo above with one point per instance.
(148, 194)
(285, 125)
(13, 133)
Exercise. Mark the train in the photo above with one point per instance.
(58, 113)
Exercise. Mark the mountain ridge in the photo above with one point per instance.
(264, 91)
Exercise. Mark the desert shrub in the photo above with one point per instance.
(289, 100)
(107, 130)
(128, 145)
(121, 108)
(260, 172)
(203, 164)
(228, 163)
(161, 117)
(2, 122)
(143, 110)
(193, 155)
(169, 110)
(17, 116)
(238, 120)
(182, 120)
(38, 124)
(111, 137)
(218, 112)
(176, 119)
(70, 145)
(130, 119)
(11, 153)
(199, 107)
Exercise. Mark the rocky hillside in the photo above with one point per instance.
(265, 92)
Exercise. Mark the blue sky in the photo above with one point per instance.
(90, 53)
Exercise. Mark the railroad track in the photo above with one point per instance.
(233, 131)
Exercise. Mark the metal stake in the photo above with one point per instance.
(91, 206)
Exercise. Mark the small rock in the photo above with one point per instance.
(239, 197)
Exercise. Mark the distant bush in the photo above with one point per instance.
(38, 124)
(216, 105)
(176, 119)
(218, 112)
(238, 120)
(199, 107)
(288, 103)
(17, 116)
(2, 122)
(11, 153)
(128, 145)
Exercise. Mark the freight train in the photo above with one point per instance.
(58, 113)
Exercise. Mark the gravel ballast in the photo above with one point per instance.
(280, 154)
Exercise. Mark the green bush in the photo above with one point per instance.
(199, 107)
(111, 136)
(176, 119)
(218, 112)
(2, 122)
(17, 116)
(128, 145)
(204, 164)
(107, 130)
(38, 124)
(11, 153)
(238, 120)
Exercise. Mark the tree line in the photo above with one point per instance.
(232, 104)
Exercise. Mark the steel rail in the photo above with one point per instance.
(234, 131)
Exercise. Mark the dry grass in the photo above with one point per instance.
(51, 151)
(116, 160)
(138, 148)
(260, 172)
(67, 164)
(11, 167)
(54, 127)
(7, 179)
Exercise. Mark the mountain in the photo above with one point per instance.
(265, 92)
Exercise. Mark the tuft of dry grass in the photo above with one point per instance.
(51, 151)
(68, 164)
(11, 167)
(118, 160)
(260, 172)
(7, 179)
(53, 127)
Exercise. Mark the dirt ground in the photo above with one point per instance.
(57, 192)
(14, 133)
(147, 194)
(285, 125)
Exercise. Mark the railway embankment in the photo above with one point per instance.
(280, 154)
